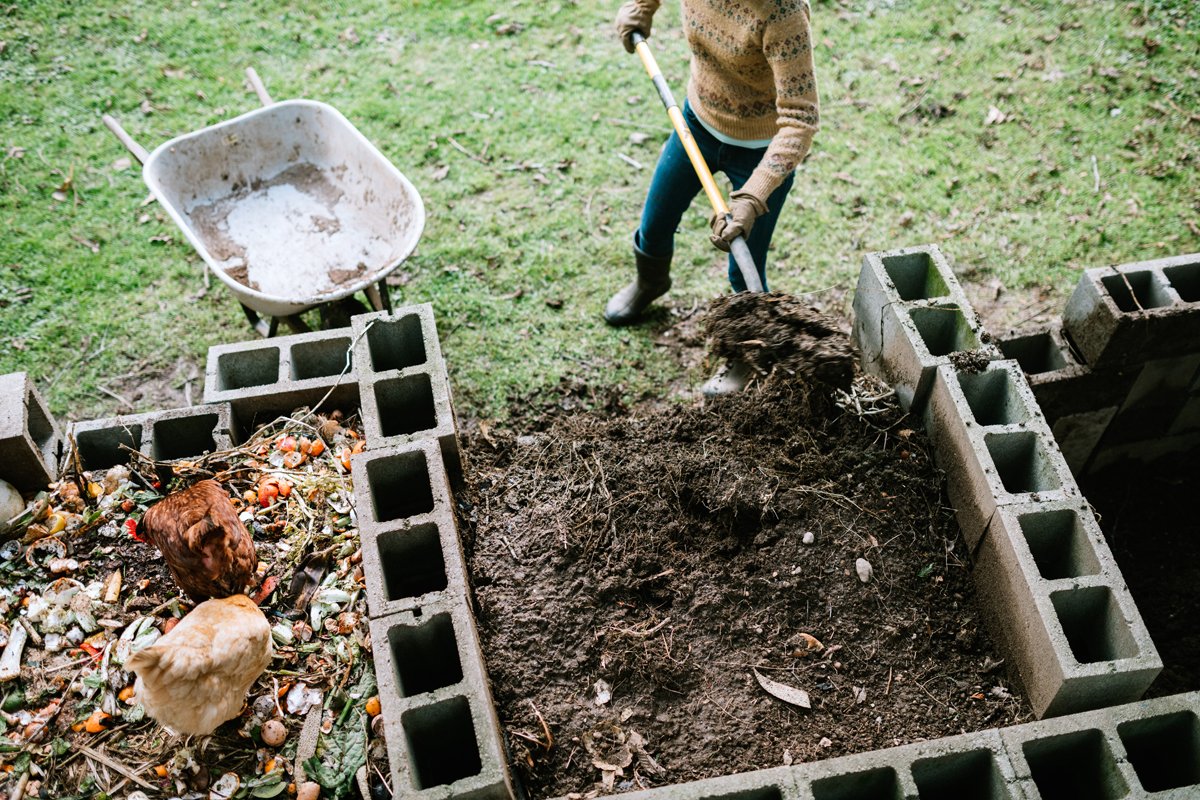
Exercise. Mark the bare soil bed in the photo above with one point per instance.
(637, 569)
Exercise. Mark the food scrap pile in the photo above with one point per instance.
(79, 596)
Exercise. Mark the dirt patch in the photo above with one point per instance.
(634, 568)
(774, 330)
(1149, 520)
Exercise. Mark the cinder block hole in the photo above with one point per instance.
(916, 276)
(41, 429)
(1185, 279)
(972, 774)
(993, 397)
(1165, 751)
(1093, 624)
(324, 358)
(184, 437)
(1022, 462)
(400, 486)
(1133, 291)
(1074, 765)
(761, 793)
(1036, 353)
(396, 344)
(425, 656)
(101, 448)
(245, 368)
(872, 784)
(405, 405)
(944, 330)
(412, 562)
(441, 743)
(1059, 544)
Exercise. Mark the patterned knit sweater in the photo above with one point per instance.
(752, 77)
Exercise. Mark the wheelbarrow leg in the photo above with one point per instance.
(259, 324)
(377, 295)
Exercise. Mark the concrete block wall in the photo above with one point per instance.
(1076, 639)
(1139, 750)
(910, 317)
(30, 438)
(1119, 381)
(444, 739)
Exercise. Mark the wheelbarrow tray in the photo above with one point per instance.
(289, 205)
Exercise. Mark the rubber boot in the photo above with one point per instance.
(731, 377)
(652, 282)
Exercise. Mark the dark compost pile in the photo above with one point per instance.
(658, 588)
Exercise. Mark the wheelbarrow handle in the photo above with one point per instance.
(259, 88)
(131, 145)
(738, 247)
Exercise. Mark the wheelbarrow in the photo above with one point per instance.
(289, 206)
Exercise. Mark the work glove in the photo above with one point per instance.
(631, 19)
(744, 208)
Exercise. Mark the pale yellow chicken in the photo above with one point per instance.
(197, 675)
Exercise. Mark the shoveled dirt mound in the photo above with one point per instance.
(637, 571)
(775, 330)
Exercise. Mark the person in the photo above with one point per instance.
(752, 108)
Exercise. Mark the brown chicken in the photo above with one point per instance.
(205, 545)
(196, 677)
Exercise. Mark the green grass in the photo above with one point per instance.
(520, 253)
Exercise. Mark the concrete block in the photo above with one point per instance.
(1155, 399)
(898, 276)
(1062, 385)
(171, 435)
(1078, 434)
(993, 444)
(262, 379)
(404, 484)
(911, 316)
(778, 783)
(1055, 600)
(411, 563)
(1161, 742)
(1123, 315)
(442, 733)
(1188, 418)
(29, 435)
(397, 340)
(1074, 761)
(1145, 452)
(405, 386)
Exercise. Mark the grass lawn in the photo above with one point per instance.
(1029, 140)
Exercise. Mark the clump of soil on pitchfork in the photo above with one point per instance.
(776, 331)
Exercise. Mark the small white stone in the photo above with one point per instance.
(864, 570)
(808, 538)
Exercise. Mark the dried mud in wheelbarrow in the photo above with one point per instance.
(635, 570)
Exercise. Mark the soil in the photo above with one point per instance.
(1150, 524)
(636, 570)
(773, 330)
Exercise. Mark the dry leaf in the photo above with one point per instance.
(781, 691)
(994, 116)
(809, 644)
(440, 173)
(860, 694)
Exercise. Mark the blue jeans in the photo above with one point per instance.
(675, 185)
